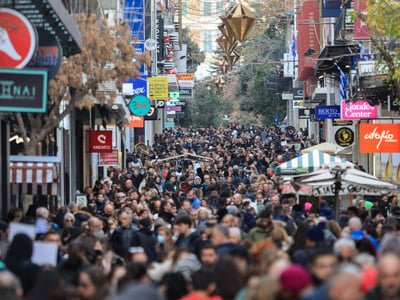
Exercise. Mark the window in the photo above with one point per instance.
(219, 8)
(184, 9)
(207, 41)
(207, 8)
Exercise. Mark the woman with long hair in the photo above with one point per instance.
(93, 284)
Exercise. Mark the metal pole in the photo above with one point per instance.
(338, 186)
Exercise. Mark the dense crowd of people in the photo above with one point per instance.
(200, 215)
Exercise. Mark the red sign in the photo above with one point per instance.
(101, 141)
(308, 38)
(361, 30)
(109, 159)
(379, 138)
(18, 39)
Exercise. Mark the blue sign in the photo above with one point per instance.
(139, 106)
(134, 15)
(327, 112)
(139, 49)
(139, 85)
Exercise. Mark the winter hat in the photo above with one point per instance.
(315, 234)
(295, 279)
(307, 206)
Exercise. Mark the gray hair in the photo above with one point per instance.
(343, 242)
(222, 229)
(69, 215)
(236, 231)
(344, 269)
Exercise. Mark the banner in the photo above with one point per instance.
(327, 112)
(135, 121)
(134, 16)
(379, 138)
(135, 86)
(139, 49)
(361, 30)
(158, 88)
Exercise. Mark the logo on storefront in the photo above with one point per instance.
(139, 106)
(101, 141)
(18, 39)
(344, 137)
(379, 138)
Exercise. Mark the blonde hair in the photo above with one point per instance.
(266, 288)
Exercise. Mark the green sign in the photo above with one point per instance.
(139, 106)
(174, 95)
(23, 90)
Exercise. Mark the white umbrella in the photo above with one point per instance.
(336, 179)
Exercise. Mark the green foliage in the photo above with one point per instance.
(195, 57)
(206, 108)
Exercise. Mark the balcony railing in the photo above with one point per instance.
(371, 68)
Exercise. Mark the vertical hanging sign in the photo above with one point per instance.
(134, 15)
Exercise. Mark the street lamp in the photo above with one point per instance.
(337, 172)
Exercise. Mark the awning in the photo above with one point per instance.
(309, 162)
(33, 172)
(341, 54)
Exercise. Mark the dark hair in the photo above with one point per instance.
(202, 278)
(322, 252)
(99, 280)
(183, 220)
(175, 285)
(229, 280)
(266, 213)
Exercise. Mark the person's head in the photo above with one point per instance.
(69, 220)
(125, 219)
(208, 255)
(96, 227)
(204, 280)
(355, 223)
(220, 235)
(228, 220)
(235, 235)
(186, 205)
(237, 199)
(108, 210)
(166, 206)
(345, 283)
(10, 284)
(323, 264)
(53, 237)
(389, 275)
(265, 219)
(183, 225)
(42, 212)
(100, 197)
(191, 195)
(93, 284)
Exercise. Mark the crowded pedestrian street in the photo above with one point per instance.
(201, 215)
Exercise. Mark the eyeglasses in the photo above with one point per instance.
(69, 220)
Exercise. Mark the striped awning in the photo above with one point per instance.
(309, 162)
(33, 172)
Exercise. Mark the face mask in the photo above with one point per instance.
(141, 173)
(175, 237)
(160, 239)
(112, 231)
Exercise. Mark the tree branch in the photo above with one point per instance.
(22, 128)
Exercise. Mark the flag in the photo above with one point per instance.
(294, 46)
(343, 83)
(361, 49)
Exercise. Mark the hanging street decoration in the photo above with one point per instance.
(239, 21)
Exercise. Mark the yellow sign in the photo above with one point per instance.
(158, 88)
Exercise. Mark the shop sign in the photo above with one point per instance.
(307, 113)
(109, 159)
(173, 108)
(358, 110)
(135, 121)
(185, 80)
(158, 88)
(327, 112)
(379, 138)
(151, 115)
(100, 141)
(139, 106)
(49, 53)
(344, 137)
(185, 92)
(23, 90)
(18, 39)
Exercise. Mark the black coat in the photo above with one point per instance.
(193, 242)
(144, 238)
(121, 240)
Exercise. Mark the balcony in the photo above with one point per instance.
(371, 68)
